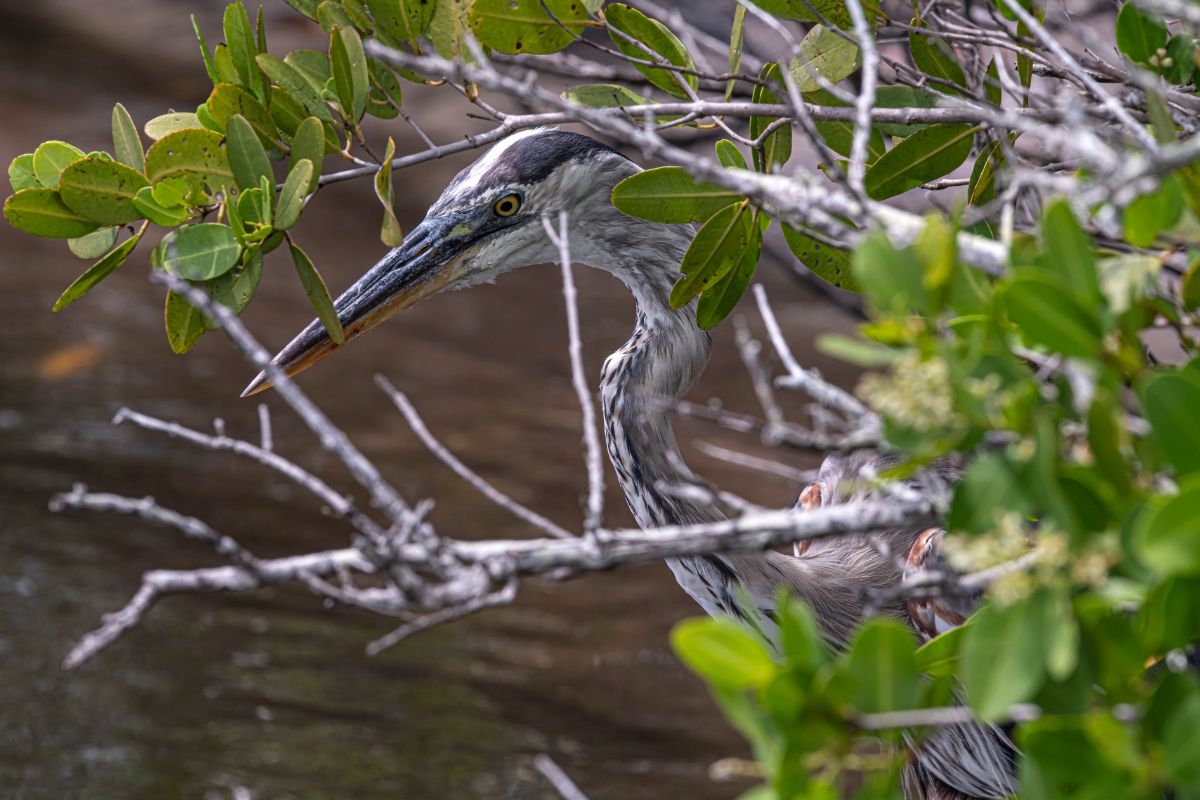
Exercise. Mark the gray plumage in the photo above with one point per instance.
(464, 241)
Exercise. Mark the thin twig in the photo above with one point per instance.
(562, 784)
(462, 470)
(593, 458)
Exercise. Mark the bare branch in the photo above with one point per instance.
(558, 779)
(502, 597)
(462, 470)
(797, 476)
(595, 465)
(264, 424)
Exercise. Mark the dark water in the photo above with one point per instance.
(269, 690)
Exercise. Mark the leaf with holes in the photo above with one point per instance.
(318, 295)
(825, 54)
(670, 194)
(196, 155)
(166, 124)
(42, 212)
(828, 263)
(528, 26)
(102, 190)
(449, 27)
(717, 248)
(98, 272)
(658, 39)
(927, 155)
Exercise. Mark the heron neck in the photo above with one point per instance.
(642, 381)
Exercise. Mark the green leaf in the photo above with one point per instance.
(306, 7)
(313, 65)
(384, 87)
(171, 192)
(126, 144)
(729, 155)
(332, 14)
(982, 187)
(737, 41)
(852, 350)
(1050, 317)
(827, 263)
(1140, 35)
(1170, 401)
(291, 198)
(1180, 68)
(1151, 213)
(1124, 278)
(1181, 745)
(102, 190)
(223, 61)
(723, 653)
(391, 234)
(21, 173)
(356, 10)
(98, 272)
(235, 288)
(524, 26)
(800, 637)
(607, 95)
(200, 252)
(927, 155)
(227, 100)
(778, 146)
(405, 20)
(719, 299)
(185, 324)
(988, 485)
(883, 667)
(448, 29)
(95, 244)
(1069, 252)
(659, 40)
(840, 137)
(939, 656)
(891, 279)
(1191, 287)
(717, 248)
(289, 115)
(935, 57)
(247, 158)
(309, 144)
(991, 83)
(1060, 632)
(296, 87)
(1104, 437)
(823, 53)
(239, 38)
(50, 159)
(205, 118)
(1002, 661)
(670, 194)
(167, 124)
(349, 65)
(157, 212)
(318, 295)
(42, 212)
(903, 97)
(213, 75)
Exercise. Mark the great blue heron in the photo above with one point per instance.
(487, 222)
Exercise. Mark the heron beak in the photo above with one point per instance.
(424, 264)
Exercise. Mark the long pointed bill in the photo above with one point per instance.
(423, 265)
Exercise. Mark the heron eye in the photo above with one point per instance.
(507, 206)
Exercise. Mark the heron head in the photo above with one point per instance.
(487, 222)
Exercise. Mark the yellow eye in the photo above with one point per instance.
(507, 206)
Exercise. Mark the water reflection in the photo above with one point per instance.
(270, 691)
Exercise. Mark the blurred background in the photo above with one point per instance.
(270, 691)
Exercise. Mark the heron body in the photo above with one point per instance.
(487, 222)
